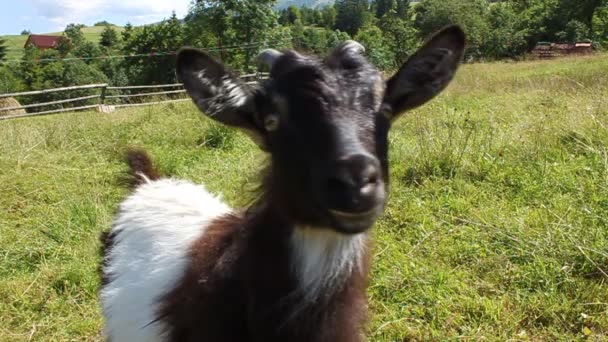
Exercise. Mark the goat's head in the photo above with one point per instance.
(324, 122)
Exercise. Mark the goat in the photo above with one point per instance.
(180, 265)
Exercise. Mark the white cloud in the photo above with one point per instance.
(62, 12)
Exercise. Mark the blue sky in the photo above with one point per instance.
(41, 16)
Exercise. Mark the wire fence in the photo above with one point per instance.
(102, 97)
(153, 54)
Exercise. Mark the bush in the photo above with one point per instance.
(9, 80)
(3, 49)
(378, 51)
(431, 15)
(39, 73)
(400, 36)
(575, 31)
(109, 37)
(505, 38)
(315, 39)
(103, 23)
(218, 136)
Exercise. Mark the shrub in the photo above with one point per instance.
(218, 136)
(378, 51)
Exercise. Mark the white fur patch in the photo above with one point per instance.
(155, 228)
(206, 82)
(229, 94)
(355, 47)
(235, 97)
(323, 259)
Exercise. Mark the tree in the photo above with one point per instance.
(403, 8)
(245, 23)
(555, 20)
(3, 49)
(212, 17)
(575, 31)
(384, 6)
(88, 51)
(600, 27)
(74, 33)
(351, 15)
(109, 37)
(9, 80)
(376, 47)
(328, 15)
(41, 69)
(581, 11)
(400, 36)
(153, 42)
(127, 32)
(103, 23)
(26, 32)
(507, 38)
(431, 15)
(293, 14)
(289, 15)
(252, 21)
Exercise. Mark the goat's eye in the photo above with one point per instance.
(271, 122)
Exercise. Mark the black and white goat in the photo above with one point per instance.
(180, 265)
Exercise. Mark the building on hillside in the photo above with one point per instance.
(551, 50)
(43, 42)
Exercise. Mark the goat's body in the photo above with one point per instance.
(180, 266)
(149, 253)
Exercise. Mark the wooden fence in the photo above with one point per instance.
(106, 98)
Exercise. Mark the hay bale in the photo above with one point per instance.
(10, 102)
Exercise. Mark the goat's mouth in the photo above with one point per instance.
(355, 222)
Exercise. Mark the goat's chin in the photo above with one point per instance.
(348, 223)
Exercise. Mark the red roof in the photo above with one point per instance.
(43, 42)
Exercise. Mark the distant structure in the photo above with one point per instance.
(43, 42)
(552, 50)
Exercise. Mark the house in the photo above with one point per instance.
(43, 42)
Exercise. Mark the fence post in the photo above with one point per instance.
(102, 98)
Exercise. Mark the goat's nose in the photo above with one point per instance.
(353, 184)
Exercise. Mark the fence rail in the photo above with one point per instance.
(128, 96)
(146, 86)
(146, 94)
(54, 90)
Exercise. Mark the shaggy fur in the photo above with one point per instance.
(148, 254)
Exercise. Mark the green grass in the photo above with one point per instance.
(497, 226)
(15, 43)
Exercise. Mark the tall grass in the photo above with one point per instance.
(497, 226)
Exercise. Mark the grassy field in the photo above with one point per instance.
(15, 43)
(497, 227)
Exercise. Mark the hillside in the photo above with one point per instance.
(495, 228)
(15, 42)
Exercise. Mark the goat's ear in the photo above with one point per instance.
(426, 73)
(218, 94)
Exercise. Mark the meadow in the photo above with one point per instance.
(496, 227)
(15, 43)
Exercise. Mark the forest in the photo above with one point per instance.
(236, 30)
